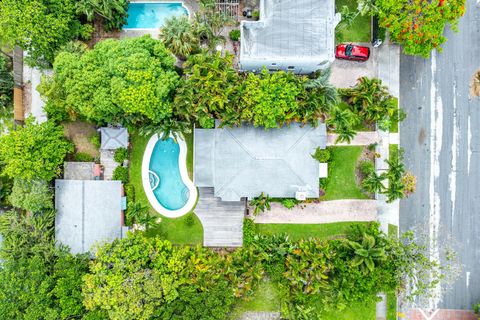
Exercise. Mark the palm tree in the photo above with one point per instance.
(113, 12)
(366, 253)
(260, 203)
(136, 210)
(343, 121)
(395, 191)
(323, 94)
(373, 183)
(178, 35)
(169, 127)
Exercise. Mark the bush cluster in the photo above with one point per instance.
(120, 173)
(120, 155)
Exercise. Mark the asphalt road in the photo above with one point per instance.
(441, 138)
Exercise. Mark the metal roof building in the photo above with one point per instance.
(88, 211)
(245, 161)
(291, 35)
(113, 138)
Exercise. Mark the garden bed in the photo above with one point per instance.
(177, 230)
(83, 134)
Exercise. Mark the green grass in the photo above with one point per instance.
(301, 231)
(394, 125)
(342, 182)
(358, 31)
(174, 230)
(391, 296)
(189, 140)
(266, 298)
(392, 151)
(354, 311)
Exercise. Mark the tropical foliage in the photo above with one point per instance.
(260, 203)
(179, 36)
(35, 151)
(33, 196)
(371, 102)
(112, 12)
(212, 89)
(146, 278)
(129, 81)
(418, 26)
(38, 280)
(40, 27)
(6, 86)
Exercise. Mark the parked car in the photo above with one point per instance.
(352, 52)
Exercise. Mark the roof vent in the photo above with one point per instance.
(301, 195)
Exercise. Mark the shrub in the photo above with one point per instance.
(82, 157)
(289, 203)
(409, 182)
(95, 140)
(234, 35)
(189, 220)
(321, 155)
(33, 196)
(120, 173)
(260, 203)
(366, 167)
(121, 154)
(256, 14)
(249, 231)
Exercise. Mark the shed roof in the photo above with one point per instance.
(245, 161)
(88, 211)
(114, 138)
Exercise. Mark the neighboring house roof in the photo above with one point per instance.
(295, 35)
(245, 161)
(87, 212)
(113, 138)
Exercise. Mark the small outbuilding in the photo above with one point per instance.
(88, 211)
(113, 138)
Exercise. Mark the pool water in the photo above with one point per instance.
(152, 15)
(164, 175)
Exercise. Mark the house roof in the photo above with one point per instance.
(88, 211)
(245, 161)
(114, 138)
(299, 31)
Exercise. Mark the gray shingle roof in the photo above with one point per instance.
(245, 161)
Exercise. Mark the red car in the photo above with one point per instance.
(352, 52)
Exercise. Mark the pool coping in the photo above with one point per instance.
(182, 165)
(182, 3)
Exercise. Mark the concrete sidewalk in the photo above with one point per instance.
(322, 212)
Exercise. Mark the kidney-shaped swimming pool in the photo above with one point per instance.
(165, 177)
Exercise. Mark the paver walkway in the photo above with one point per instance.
(322, 212)
(106, 159)
(362, 138)
(222, 221)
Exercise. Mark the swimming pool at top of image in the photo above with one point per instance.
(152, 15)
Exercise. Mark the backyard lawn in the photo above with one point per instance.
(342, 182)
(358, 31)
(265, 298)
(303, 231)
(178, 231)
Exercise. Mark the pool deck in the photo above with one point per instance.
(222, 221)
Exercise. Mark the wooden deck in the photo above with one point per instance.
(222, 221)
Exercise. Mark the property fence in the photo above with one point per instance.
(229, 7)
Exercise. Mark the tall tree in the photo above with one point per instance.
(418, 25)
(33, 196)
(129, 81)
(40, 27)
(113, 12)
(35, 151)
(178, 35)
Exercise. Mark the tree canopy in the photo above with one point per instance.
(129, 81)
(33, 196)
(418, 25)
(35, 151)
(40, 27)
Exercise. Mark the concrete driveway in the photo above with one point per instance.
(345, 73)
